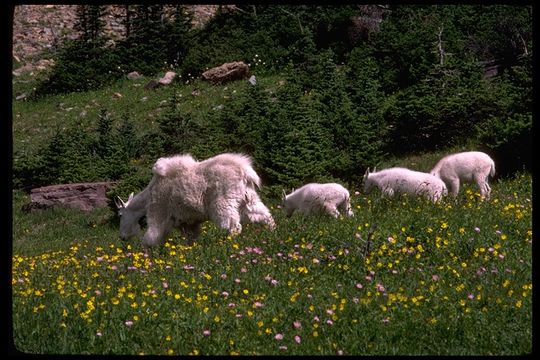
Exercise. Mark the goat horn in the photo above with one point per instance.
(366, 173)
(119, 202)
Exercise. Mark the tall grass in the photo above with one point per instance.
(403, 277)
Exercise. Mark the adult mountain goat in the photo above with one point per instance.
(468, 167)
(401, 180)
(183, 193)
(318, 198)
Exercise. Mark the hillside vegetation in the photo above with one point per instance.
(335, 93)
(339, 89)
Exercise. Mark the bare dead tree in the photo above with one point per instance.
(439, 45)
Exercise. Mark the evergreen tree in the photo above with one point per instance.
(301, 154)
(90, 23)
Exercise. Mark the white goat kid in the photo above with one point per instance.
(399, 180)
(184, 193)
(466, 167)
(318, 198)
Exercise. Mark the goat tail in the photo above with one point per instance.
(492, 171)
(252, 179)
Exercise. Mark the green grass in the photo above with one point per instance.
(35, 121)
(447, 279)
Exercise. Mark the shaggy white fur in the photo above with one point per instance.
(469, 167)
(318, 198)
(184, 193)
(401, 180)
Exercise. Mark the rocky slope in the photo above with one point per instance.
(38, 30)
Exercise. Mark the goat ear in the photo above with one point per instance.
(374, 169)
(283, 194)
(130, 197)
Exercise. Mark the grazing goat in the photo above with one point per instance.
(318, 198)
(183, 193)
(467, 167)
(404, 181)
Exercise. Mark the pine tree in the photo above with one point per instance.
(90, 23)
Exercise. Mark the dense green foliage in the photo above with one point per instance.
(75, 155)
(358, 83)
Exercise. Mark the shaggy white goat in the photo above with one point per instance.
(400, 180)
(184, 193)
(318, 198)
(471, 166)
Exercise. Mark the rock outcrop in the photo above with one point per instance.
(83, 196)
(227, 72)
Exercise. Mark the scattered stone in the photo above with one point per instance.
(196, 92)
(117, 95)
(168, 78)
(152, 84)
(134, 75)
(253, 80)
(21, 97)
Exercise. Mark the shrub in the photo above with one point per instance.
(509, 140)
(80, 67)
(78, 155)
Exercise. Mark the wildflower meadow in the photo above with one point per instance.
(403, 277)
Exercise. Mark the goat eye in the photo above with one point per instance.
(142, 221)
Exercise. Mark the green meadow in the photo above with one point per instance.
(403, 277)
